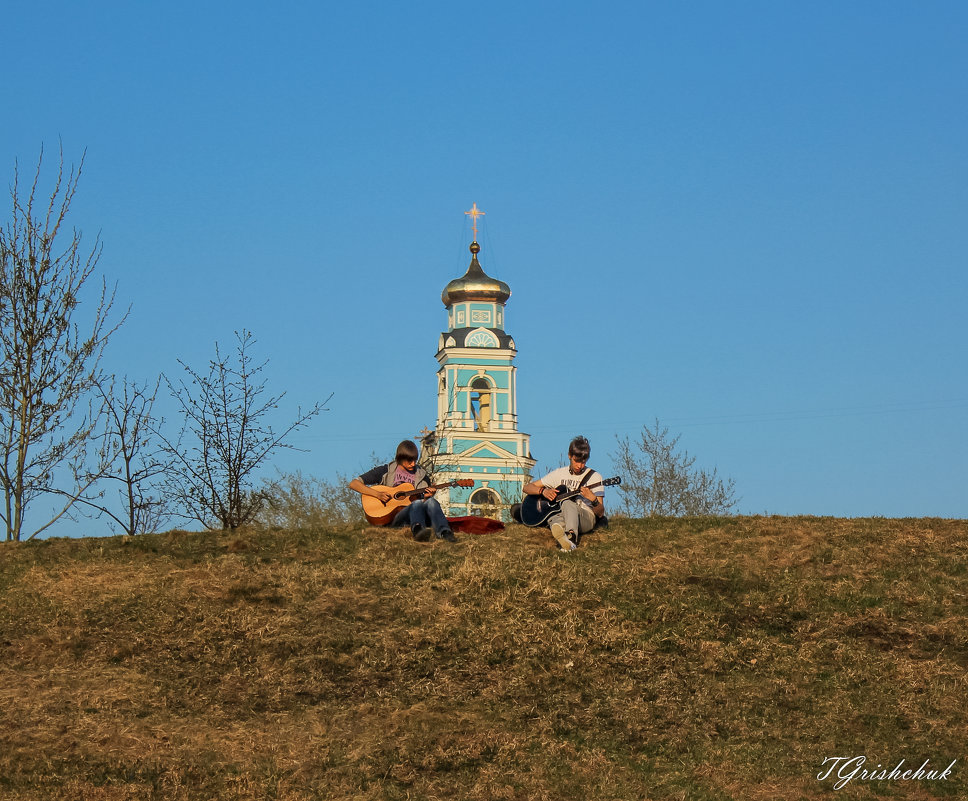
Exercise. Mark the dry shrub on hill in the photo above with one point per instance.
(296, 501)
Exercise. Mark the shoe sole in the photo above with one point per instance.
(558, 532)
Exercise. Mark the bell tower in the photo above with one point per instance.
(477, 435)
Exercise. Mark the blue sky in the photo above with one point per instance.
(747, 220)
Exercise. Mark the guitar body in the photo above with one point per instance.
(536, 509)
(382, 514)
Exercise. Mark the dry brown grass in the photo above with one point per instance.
(666, 659)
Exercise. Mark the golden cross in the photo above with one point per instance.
(474, 213)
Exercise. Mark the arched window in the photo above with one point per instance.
(486, 502)
(481, 403)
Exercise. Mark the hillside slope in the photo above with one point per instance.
(665, 659)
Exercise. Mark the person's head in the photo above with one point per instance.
(578, 452)
(407, 453)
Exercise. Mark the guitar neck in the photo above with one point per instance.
(422, 490)
(575, 492)
(607, 482)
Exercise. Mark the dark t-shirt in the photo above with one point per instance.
(378, 476)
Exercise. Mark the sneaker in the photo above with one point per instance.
(446, 534)
(422, 534)
(558, 532)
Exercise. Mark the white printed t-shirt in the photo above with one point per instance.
(563, 475)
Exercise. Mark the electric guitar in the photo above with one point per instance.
(378, 513)
(536, 509)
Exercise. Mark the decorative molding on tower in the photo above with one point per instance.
(477, 435)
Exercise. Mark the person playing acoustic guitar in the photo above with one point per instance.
(577, 515)
(423, 515)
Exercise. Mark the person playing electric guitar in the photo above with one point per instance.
(423, 515)
(577, 515)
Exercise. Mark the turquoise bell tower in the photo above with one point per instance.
(477, 435)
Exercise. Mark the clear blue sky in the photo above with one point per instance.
(749, 219)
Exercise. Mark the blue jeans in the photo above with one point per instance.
(422, 513)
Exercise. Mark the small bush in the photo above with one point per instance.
(298, 501)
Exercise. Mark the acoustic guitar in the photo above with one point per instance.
(378, 513)
(536, 509)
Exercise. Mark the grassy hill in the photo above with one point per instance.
(665, 659)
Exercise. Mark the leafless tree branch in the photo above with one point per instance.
(226, 437)
(50, 354)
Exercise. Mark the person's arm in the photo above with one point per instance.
(429, 491)
(358, 485)
(598, 505)
(538, 488)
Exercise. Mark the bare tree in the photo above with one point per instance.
(225, 439)
(49, 355)
(432, 459)
(140, 463)
(659, 480)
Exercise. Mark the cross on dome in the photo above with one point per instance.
(474, 213)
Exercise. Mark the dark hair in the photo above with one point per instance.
(407, 450)
(579, 447)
